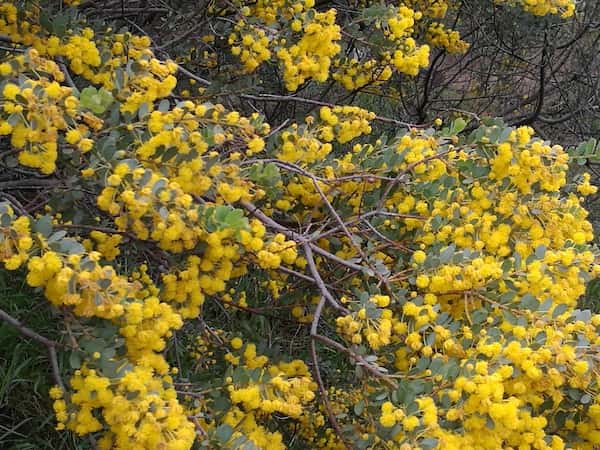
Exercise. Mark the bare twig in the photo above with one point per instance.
(358, 358)
(50, 345)
(332, 420)
(312, 267)
(299, 238)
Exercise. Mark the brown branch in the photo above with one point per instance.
(299, 170)
(291, 98)
(315, 359)
(358, 358)
(297, 237)
(50, 345)
(312, 267)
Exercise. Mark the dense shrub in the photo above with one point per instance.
(340, 280)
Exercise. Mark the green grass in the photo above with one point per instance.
(26, 419)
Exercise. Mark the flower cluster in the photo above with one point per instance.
(310, 57)
(564, 8)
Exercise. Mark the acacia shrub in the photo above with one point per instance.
(420, 286)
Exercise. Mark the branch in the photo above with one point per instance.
(291, 98)
(330, 414)
(50, 345)
(358, 358)
(312, 267)
(317, 369)
(297, 237)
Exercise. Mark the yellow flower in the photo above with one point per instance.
(419, 256)
(85, 145)
(10, 91)
(236, 343)
(422, 281)
(53, 90)
(580, 367)
(73, 136)
(5, 128)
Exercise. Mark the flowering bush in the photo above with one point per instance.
(316, 285)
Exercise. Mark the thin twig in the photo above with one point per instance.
(312, 267)
(358, 358)
(297, 237)
(50, 344)
(332, 420)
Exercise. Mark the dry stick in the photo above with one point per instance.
(386, 239)
(29, 184)
(326, 295)
(366, 215)
(317, 369)
(295, 273)
(192, 75)
(65, 70)
(304, 277)
(290, 98)
(299, 170)
(312, 267)
(15, 203)
(358, 358)
(50, 345)
(96, 228)
(198, 426)
(341, 223)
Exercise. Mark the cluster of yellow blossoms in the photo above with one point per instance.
(252, 48)
(353, 74)
(140, 410)
(310, 57)
(565, 8)
(439, 36)
(15, 238)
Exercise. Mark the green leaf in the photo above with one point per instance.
(528, 301)
(359, 407)
(143, 110)
(5, 220)
(96, 100)
(560, 309)
(223, 433)
(164, 105)
(428, 443)
(226, 217)
(104, 283)
(13, 119)
(540, 251)
(546, 305)
(43, 226)
(71, 247)
(158, 186)
(57, 236)
(75, 360)
(447, 253)
(266, 176)
(458, 125)
(479, 316)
